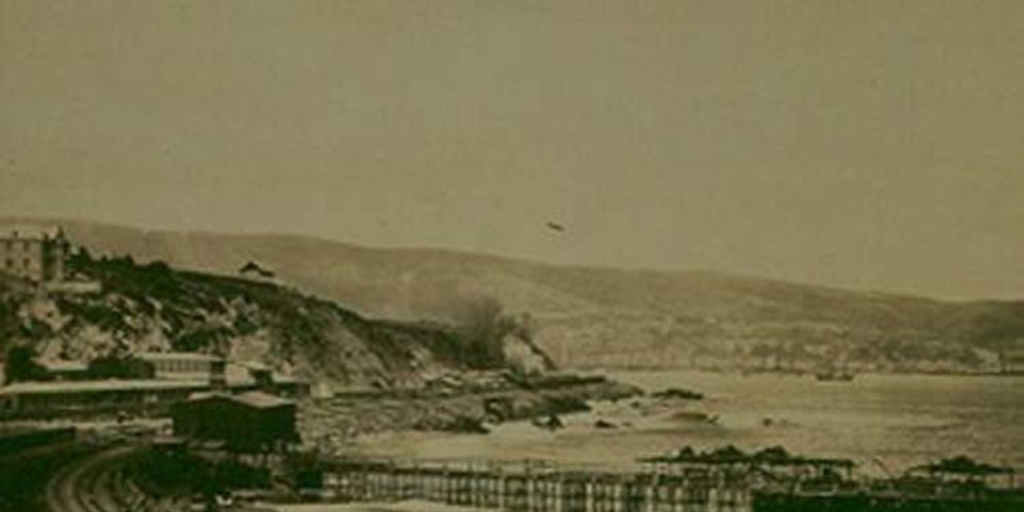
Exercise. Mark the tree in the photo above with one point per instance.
(115, 367)
(20, 365)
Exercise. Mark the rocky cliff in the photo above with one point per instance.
(610, 317)
(151, 306)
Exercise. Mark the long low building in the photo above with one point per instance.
(94, 397)
(184, 365)
(141, 397)
(70, 390)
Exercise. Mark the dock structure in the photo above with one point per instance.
(531, 488)
(725, 480)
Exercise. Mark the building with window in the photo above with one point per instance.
(31, 252)
(185, 366)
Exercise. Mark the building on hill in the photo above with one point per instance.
(185, 366)
(34, 253)
(250, 422)
(252, 269)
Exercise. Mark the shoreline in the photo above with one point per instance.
(332, 422)
(794, 372)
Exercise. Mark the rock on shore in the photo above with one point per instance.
(342, 418)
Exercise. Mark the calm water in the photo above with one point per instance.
(898, 420)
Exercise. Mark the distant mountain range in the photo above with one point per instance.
(608, 317)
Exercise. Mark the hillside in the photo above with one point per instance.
(153, 307)
(596, 316)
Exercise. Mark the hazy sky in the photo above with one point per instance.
(875, 144)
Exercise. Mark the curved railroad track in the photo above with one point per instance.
(94, 483)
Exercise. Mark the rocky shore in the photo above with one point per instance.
(328, 422)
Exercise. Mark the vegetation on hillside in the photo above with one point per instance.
(154, 307)
(613, 317)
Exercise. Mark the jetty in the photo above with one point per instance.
(531, 486)
(724, 480)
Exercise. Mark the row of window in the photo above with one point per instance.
(183, 366)
(11, 244)
(10, 264)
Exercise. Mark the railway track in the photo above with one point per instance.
(94, 483)
(24, 475)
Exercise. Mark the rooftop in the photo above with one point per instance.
(91, 386)
(255, 399)
(262, 400)
(57, 365)
(29, 231)
(177, 356)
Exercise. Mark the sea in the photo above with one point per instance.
(886, 423)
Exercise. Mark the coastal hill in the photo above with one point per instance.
(146, 307)
(608, 317)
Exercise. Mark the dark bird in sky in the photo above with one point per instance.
(554, 226)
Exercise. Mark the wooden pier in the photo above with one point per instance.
(530, 487)
(721, 481)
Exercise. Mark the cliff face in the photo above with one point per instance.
(154, 307)
(610, 317)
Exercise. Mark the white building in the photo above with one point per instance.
(33, 252)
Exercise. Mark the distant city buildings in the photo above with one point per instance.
(34, 253)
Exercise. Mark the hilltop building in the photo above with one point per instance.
(253, 270)
(34, 253)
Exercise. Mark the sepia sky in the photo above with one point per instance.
(871, 144)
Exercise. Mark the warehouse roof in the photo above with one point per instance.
(177, 356)
(90, 386)
(255, 399)
(59, 365)
(28, 231)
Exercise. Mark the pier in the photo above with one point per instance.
(533, 487)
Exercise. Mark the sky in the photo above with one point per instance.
(872, 144)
